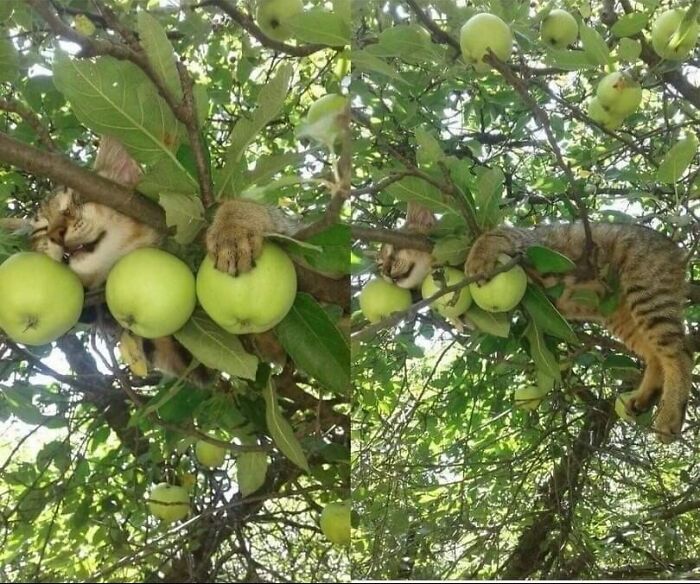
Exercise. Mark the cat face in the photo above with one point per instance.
(407, 268)
(89, 237)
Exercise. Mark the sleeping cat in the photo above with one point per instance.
(649, 315)
(91, 237)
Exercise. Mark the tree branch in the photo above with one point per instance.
(398, 238)
(91, 186)
(247, 23)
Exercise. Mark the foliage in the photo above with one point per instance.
(84, 439)
(450, 480)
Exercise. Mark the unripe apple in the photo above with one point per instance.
(450, 305)
(40, 298)
(663, 36)
(272, 17)
(169, 502)
(335, 522)
(529, 397)
(559, 29)
(208, 454)
(380, 298)
(323, 121)
(151, 292)
(253, 302)
(599, 114)
(619, 94)
(482, 32)
(502, 292)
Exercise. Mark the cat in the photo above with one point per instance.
(649, 315)
(90, 238)
(405, 267)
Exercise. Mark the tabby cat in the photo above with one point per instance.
(649, 314)
(91, 237)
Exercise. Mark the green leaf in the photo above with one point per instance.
(429, 150)
(281, 431)
(548, 319)
(629, 50)
(409, 42)
(585, 297)
(185, 213)
(334, 256)
(569, 60)
(620, 362)
(251, 470)
(489, 191)
(594, 45)
(369, 63)
(630, 24)
(315, 344)
(548, 261)
(414, 189)
(116, 98)
(451, 250)
(167, 175)
(677, 159)
(320, 26)
(545, 361)
(214, 347)
(270, 101)
(493, 323)
(9, 60)
(159, 51)
(266, 167)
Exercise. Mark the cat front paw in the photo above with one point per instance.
(234, 249)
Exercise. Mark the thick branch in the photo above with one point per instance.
(91, 186)
(531, 549)
(398, 238)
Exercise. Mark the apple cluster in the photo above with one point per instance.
(149, 292)
(380, 298)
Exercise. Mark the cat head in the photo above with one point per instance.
(406, 267)
(87, 236)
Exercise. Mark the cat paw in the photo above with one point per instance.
(480, 266)
(668, 422)
(234, 249)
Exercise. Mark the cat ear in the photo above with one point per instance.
(115, 163)
(419, 218)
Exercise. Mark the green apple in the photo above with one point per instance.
(619, 94)
(665, 40)
(482, 32)
(621, 407)
(559, 29)
(450, 305)
(40, 298)
(208, 454)
(529, 397)
(273, 15)
(335, 522)
(253, 302)
(323, 121)
(502, 292)
(169, 502)
(151, 292)
(599, 114)
(380, 298)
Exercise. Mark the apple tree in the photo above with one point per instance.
(110, 470)
(488, 446)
